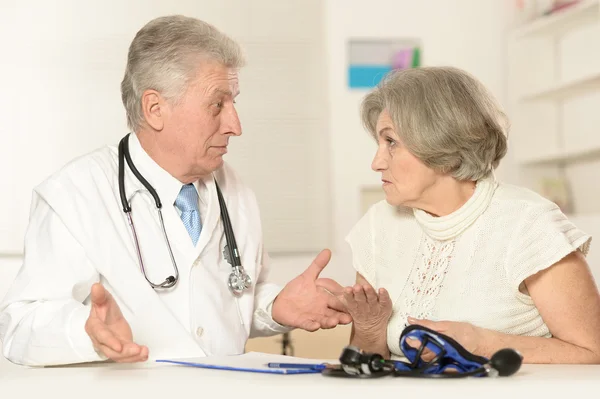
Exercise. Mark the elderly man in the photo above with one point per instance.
(155, 249)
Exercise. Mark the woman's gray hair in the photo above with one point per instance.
(444, 116)
(165, 55)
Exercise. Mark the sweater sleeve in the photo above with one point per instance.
(543, 237)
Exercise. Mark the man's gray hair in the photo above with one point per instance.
(165, 55)
(444, 116)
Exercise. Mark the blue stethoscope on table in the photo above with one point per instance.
(238, 281)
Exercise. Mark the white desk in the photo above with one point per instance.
(154, 380)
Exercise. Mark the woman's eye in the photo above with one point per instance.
(391, 142)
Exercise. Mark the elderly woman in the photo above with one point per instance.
(488, 264)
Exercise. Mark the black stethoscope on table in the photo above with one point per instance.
(238, 281)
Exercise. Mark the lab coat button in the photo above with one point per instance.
(199, 331)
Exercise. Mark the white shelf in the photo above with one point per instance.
(564, 89)
(559, 21)
(561, 157)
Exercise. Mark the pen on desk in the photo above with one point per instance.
(321, 366)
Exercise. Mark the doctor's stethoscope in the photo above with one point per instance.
(238, 280)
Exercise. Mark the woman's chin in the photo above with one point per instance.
(393, 201)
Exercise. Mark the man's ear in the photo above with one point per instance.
(154, 107)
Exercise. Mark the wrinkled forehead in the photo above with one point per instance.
(234, 81)
(213, 78)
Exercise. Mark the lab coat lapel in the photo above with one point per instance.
(213, 215)
(152, 323)
(237, 216)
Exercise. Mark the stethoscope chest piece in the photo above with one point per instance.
(239, 281)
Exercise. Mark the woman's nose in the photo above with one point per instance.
(379, 162)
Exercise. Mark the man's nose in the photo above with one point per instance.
(232, 124)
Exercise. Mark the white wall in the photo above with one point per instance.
(60, 72)
(465, 33)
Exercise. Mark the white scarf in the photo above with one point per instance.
(450, 226)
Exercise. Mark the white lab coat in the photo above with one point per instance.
(78, 234)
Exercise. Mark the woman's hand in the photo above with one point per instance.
(470, 337)
(370, 310)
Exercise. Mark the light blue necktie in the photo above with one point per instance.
(187, 202)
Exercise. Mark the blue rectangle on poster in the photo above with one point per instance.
(366, 76)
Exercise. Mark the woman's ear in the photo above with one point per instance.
(153, 109)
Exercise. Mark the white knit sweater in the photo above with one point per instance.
(466, 266)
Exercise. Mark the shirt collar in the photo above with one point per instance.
(166, 186)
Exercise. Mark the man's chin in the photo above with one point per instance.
(217, 163)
